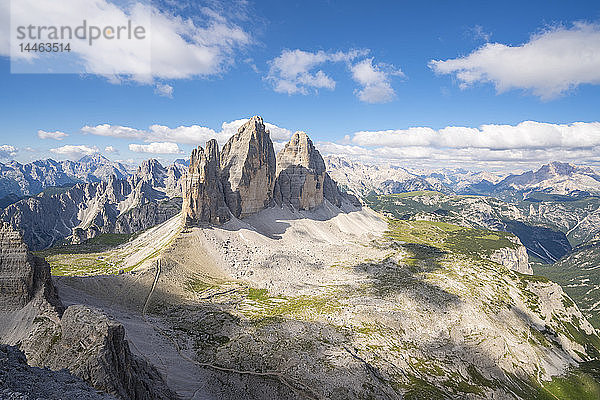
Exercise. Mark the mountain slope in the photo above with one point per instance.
(327, 304)
(578, 274)
(543, 240)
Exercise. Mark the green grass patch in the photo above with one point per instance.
(102, 242)
(261, 305)
(580, 383)
(453, 238)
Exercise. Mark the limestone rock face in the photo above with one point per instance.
(150, 214)
(336, 197)
(515, 259)
(93, 347)
(300, 174)
(20, 381)
(21, 273)
(81, 339)
(248, 169)
(204, 200)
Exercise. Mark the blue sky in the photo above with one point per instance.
(397, 42)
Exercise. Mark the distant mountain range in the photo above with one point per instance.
(32, 178)
(112, 201)
(363, 179)
(556, 178)
(20, 180)
(553, 179)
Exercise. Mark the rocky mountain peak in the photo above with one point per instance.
(248, 169)
(557, 168)
(247, 177)
(150, 167)
(152, 171)
(203, 197)
(301, 151)
(254, 124)
(95, 158)
(300, 174)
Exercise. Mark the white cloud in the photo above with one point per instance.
(525, 143)
(74, 152)
(164, 90)
(549, 64)
(480, 34)
(174, 47)
(193, 134)
(7, 151)
(525, 135)
(155, 148)
(298, 71)
(117, 131)
(375, 81)
(111, 150)
(293, 71)
(57, 135)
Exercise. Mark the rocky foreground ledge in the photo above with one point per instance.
(78, 338)
(19, 381)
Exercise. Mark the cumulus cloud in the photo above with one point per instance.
(74, 151)
(111, 150)
(164, 90)
(192, 134)
(57, 135)
(548, 65)
(7, 151)
(299, 71)
(375, 81)
(525, 135)
(293, 71)
(173, 47)
(117, 131)
(155, 148)
(524, 143)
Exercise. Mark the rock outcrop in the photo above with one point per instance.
(300, 174)
(93, 347)
(204, 200)
(248, 169)
(21, 273)
(20, 381)
(515, 259)
(79, 338)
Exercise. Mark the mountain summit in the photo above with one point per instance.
(249, 178)
(248, 169)
(555, 177)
